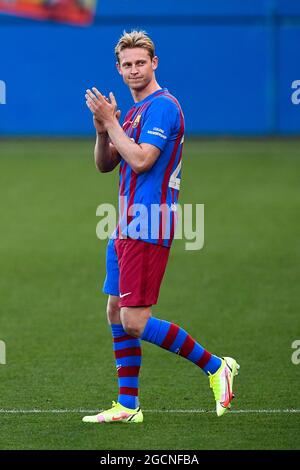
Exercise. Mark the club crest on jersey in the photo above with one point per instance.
(136, 121)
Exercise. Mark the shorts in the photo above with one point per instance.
(134, 271)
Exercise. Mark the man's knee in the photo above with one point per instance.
(134, 320)
(113, 310)
(131, 328)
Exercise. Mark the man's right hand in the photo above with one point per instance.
(99, 126)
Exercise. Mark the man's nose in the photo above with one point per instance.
(133, 70)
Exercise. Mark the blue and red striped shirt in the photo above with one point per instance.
(148, 201)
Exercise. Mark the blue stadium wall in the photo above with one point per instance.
(231, 63)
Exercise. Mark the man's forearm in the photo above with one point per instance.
(127, 148)
(105, 158)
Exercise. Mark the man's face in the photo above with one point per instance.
(136, 67)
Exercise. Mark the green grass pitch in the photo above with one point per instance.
(238, 296)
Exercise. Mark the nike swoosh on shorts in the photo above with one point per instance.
(124, 295)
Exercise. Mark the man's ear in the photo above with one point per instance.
(119, 68)
(154, 62)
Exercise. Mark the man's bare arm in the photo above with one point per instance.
(105, 153)
(109, 150)
(140, 157)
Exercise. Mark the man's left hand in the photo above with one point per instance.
(103, 110)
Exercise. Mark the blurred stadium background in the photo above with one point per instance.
(231, 63)
(234, 66)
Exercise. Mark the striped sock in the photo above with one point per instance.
(173, 338)
(128, 356)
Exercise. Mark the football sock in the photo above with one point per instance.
(173, 338)
(127, 350)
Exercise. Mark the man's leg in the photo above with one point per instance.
(127, 352)
(128, 355)
(137, 321)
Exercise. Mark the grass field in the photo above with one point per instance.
(238, 296)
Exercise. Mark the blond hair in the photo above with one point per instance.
(135, 39)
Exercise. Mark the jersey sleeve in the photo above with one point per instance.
(161, 119)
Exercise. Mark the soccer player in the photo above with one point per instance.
(148, 150)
